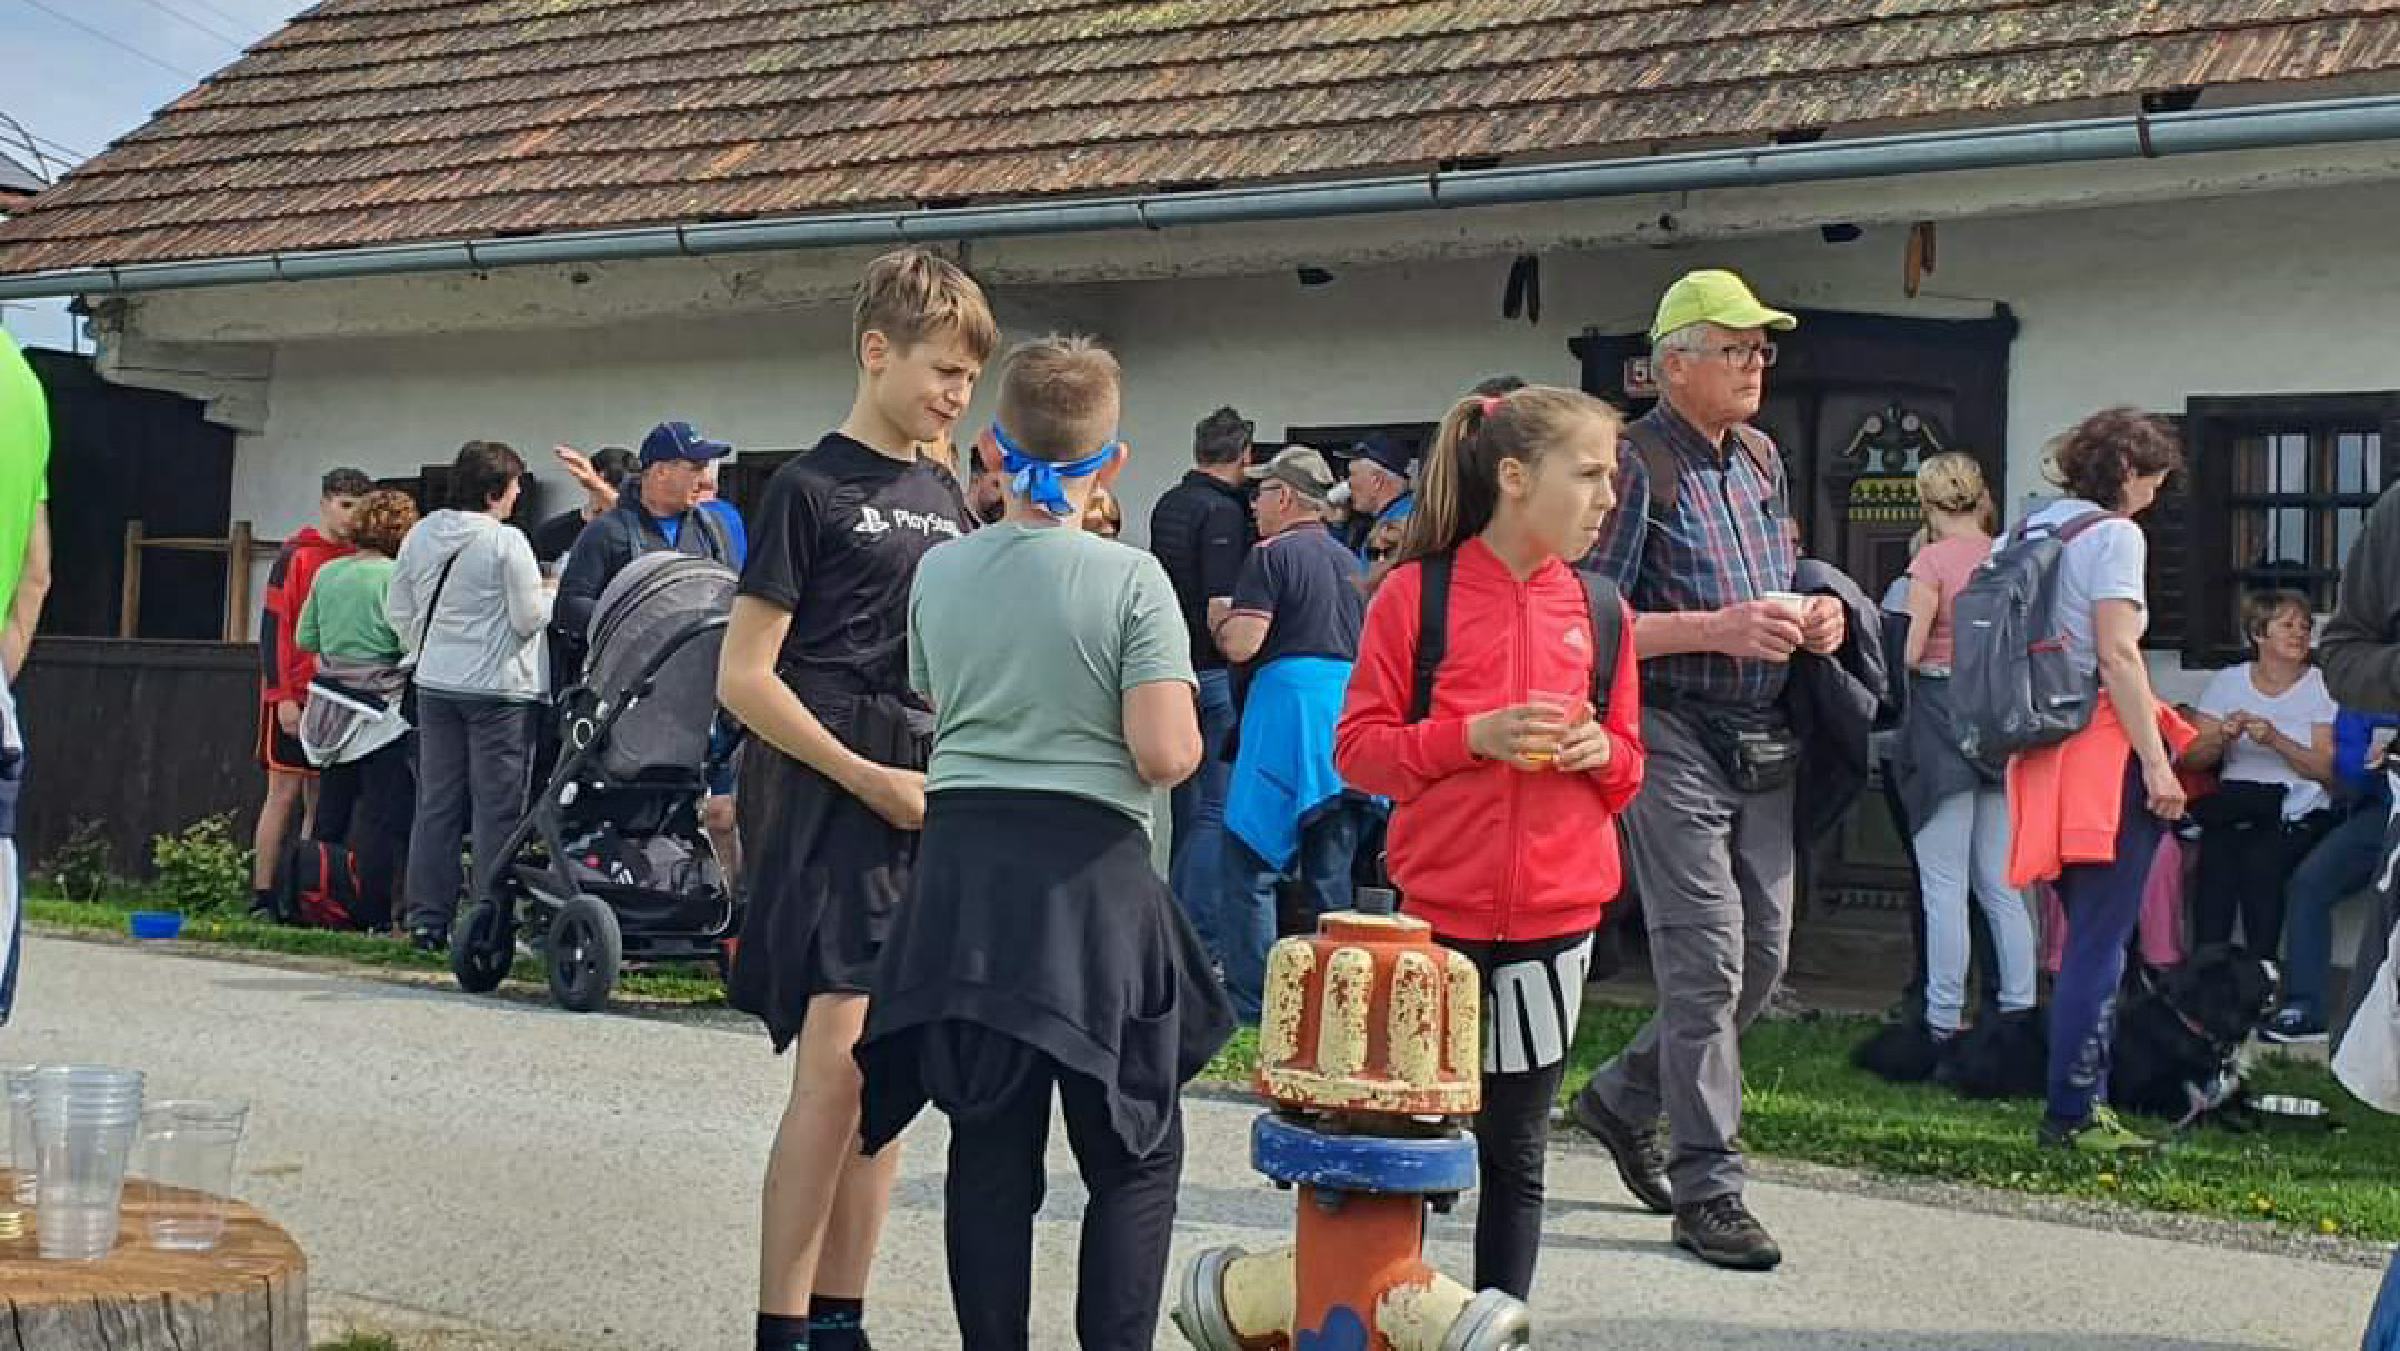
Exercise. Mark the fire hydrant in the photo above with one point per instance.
(1369, 1058)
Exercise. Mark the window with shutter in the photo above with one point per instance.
(2280, 487)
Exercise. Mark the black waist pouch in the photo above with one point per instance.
(1754, 746)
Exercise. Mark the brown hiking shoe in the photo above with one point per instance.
(1722, 1232)
(1640, 1154)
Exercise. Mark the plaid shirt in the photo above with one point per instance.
(1729, 540)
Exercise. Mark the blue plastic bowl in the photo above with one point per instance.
(156, 923)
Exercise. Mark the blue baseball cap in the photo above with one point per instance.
(680, 441)
(1383, 452)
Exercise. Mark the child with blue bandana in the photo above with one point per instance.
(1040, 954)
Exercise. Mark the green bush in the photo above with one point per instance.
(202, 869)
(83, 867)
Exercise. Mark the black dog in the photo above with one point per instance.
(1902, 1052)
(2175, 1053)
(2178, 1044)
(2004, 1057)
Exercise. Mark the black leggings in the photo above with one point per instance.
(2243, 868)
(996, 1184)
(1512, 1139)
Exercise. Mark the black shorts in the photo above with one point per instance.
(823, 875)
(279, 751)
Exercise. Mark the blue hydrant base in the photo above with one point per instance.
(1288, 1151)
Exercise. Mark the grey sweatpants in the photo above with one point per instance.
(473, 758)
(1715, 871)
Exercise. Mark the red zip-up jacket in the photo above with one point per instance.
(1480, 850)
(285, 670)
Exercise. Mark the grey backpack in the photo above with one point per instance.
(2013, 686)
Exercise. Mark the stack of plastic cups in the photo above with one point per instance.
(16, 1201)
(85, 1120)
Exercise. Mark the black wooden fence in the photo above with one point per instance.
(142, 738)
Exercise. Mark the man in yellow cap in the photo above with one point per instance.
(24, 582)
(1703, 545)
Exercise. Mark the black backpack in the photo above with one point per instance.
(322, 889)
(1433, 633)
(2012, 686)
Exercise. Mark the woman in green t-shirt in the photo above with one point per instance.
(352, 725)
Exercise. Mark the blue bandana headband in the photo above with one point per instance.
(1042, 482)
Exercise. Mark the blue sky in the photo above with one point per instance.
(83, 72)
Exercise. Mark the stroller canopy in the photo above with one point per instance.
(653, 663)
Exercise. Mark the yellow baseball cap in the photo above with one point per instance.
(1714, 296)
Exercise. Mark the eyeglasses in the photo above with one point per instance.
(1744, 355)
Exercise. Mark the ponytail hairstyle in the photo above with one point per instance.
(1458, 487)
(1951, 483)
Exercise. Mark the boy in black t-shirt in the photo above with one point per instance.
(833, 786)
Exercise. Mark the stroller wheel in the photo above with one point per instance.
(483, 950)
(586, 949)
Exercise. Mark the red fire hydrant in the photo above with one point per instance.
(1370, 1047)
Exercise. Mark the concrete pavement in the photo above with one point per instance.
(590, 1181)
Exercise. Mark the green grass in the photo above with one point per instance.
(360, 1341)
(675, 985)
(1805, 1101)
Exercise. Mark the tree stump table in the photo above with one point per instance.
(249, 1294)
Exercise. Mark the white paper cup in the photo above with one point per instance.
(1790, 602)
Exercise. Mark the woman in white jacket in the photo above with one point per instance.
(468, 603)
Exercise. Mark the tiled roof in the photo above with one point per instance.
(386, 121)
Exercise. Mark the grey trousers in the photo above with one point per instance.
(473, 758)
(1715, 870)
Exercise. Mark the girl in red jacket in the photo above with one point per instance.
(1504, 835)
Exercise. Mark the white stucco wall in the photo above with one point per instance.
(2149, 304)
(389, 406)
(2146, 304)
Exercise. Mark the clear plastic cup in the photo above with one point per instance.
(1790, 602)
(16, 1095)
(186, 1157)
(85, 1121)
(1565, 705)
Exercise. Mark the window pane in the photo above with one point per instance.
(2358, 462)
(2250, 464)
(2288, 467)
(2287, 537)
(2266, 538)
(2249, 537)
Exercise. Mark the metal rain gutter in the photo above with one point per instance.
(2138, 136)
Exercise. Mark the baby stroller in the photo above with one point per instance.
(611, 863)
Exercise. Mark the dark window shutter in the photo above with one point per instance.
(2169, 579)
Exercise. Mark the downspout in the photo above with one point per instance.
(2140, 136)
